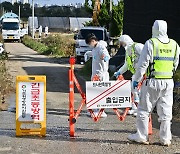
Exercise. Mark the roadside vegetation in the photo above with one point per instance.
(104, 17)
(5, 81)
(177, 75)
(5, 85)
(176, 105)
(87, 70)
(57, 45)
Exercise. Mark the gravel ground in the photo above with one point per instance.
(107, 136)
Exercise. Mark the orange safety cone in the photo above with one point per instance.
(150, 132)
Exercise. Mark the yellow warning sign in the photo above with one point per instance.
(31, 105)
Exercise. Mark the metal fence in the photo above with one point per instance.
(78, 23)
(61, 23)
(30, 20)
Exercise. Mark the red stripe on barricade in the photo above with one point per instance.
(103, 92)
(108, 94)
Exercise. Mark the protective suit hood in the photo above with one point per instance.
(159, 30)
(126, 39)
(102, 43)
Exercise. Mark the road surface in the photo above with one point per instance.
(108, 136)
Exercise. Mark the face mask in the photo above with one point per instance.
(91, 46)
(125, 47)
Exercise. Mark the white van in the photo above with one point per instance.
(11, 29)
(81, 47)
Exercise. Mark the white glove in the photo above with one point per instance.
(87, 55)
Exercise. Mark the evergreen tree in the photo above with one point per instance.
(105, 17)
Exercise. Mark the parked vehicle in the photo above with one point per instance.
(10, 27)
(81, 47)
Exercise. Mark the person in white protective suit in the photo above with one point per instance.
(1, 48)
(160, 59)
(40, 31)
(100, 61)
(133, 51)
(46, 31)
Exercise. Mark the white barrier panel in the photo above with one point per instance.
(31, 101)
(112, 94)
(31, 105)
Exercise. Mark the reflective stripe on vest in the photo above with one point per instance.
(163, 59)
(130, 59)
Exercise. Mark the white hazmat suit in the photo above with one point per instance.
(137, 51)
(46, 30)
(40, 31)
(154, 92)
(99, 66)
(138, 48)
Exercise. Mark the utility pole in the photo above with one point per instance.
(110, 5)
(33, 19)
(19, 13)
(110, 11)
(1, 9)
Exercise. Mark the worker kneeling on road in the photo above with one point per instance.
(100, 61)
(133, 51)
(159, 58)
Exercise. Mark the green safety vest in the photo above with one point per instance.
(163, 59)
(130, 59)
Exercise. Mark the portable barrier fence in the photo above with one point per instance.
(99, 99)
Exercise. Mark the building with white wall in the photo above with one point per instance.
(22, 1)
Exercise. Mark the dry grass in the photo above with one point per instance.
(57, 45)
(60, 45)
(5, 85)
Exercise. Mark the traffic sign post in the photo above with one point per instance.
(30, 105)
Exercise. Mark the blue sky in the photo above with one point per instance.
(56, 1)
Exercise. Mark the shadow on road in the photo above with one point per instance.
(65, 112)
(175, 127)
(62, 134)
(32, 58)
(57, 77)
